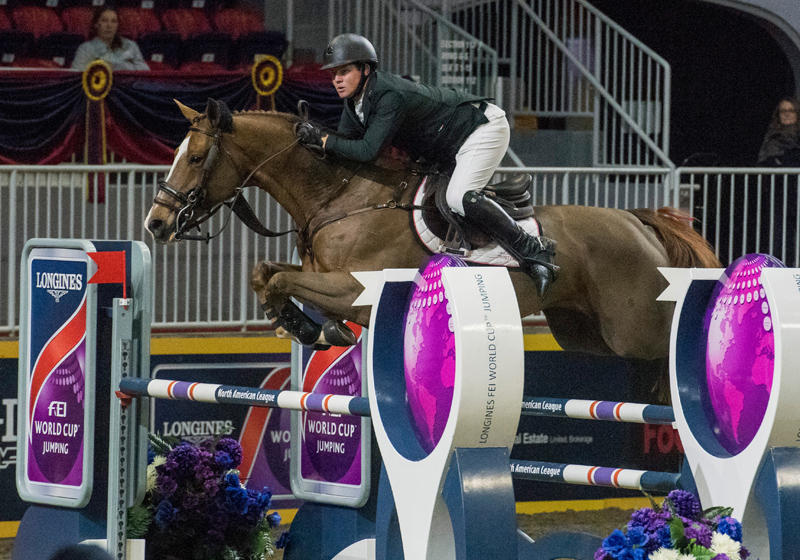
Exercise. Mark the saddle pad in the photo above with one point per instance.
(491, 254)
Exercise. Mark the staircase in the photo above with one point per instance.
(560, 60)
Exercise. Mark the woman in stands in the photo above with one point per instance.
(106, 44)
(441, 125)
(781, 147)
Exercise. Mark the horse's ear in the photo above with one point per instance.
(188, 112)
(219, 115)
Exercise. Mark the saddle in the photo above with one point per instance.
(458, 235)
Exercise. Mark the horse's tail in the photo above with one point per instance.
(685, 247)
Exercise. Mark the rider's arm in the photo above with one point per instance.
(382, 126)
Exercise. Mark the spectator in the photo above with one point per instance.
(106, 44)
(81, 552)
(781, 147)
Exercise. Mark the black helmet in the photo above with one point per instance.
(348, 48)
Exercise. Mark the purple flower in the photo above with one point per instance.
(191, 500)
(285, 538)
(729, 526)
(615, 543)
(648, 519)
(274, 519)
(233, 449)
(165, 514)
(166, 485)
(744, 553)
(721, 557)
(700, 533)
(686, 504)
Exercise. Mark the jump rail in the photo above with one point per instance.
(650, 481)
(359, 406)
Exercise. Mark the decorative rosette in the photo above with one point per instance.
(267, 75)
(97, 80)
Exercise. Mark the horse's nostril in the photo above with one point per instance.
(155, 225)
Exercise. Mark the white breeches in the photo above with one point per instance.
(478, 157)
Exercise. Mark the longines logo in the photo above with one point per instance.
(58, 284)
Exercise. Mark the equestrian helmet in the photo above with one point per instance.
(348, 48)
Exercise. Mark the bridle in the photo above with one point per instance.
(189, 205)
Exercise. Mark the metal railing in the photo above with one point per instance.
(412, 39)
(742, 211)
(199, 286)
(194, 285)
(565, 58)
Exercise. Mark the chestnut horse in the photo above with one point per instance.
(353, 217)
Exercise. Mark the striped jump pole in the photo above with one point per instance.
(650, 481)
(598, 410)
(250, 396)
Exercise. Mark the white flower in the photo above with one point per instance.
(686, 557)
(664, 554)
(723, 544)
(151, 471)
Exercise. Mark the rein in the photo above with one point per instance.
(190, 202)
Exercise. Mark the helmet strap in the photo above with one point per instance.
(361, 82)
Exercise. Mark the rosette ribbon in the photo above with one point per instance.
(97, 80)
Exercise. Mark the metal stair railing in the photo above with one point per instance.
(565, 58)
(413, 40)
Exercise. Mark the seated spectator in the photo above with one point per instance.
(106, 44)
(781, 147)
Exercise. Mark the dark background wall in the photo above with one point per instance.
(728, 74)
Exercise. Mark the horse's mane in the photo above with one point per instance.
(684, 246)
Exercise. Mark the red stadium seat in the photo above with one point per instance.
(5, 23)
(238, 21)
(59, 47)
(15, 46)
(77, 19)
(37, 20)
(186, 22)
(134, 22)
(161, 49)
(211, 51)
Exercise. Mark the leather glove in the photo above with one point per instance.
(310, 136)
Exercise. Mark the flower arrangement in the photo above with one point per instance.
(197, 508)
(677, 530)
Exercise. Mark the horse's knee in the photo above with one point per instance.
(262, 275)
(278, 283)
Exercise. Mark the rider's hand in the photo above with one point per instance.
(310, 136)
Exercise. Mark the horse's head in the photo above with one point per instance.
(201, 177)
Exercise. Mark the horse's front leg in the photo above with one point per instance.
(330, 292)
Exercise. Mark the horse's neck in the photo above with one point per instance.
(305, 186)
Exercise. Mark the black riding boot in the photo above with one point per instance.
(534, 254)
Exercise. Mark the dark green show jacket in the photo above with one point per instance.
(424, 121)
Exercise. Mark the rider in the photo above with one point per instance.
(438, 124)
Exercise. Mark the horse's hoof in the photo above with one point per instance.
(337, 333)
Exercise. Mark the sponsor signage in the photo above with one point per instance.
(331, 462)
(58, 367)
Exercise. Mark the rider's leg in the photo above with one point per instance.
(476, 162)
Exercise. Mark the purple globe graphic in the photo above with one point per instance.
(740, 354)
(429, 353)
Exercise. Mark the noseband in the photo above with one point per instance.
(189, 205)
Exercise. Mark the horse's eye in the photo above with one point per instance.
(195, 159)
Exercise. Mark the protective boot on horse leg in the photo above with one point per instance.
(534, 254)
